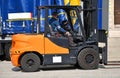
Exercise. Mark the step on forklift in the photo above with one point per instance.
(32, 51)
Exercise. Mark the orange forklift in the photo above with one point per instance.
(31, 51)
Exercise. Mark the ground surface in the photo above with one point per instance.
(9, 71)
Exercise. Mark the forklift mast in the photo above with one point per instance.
(93, 25)
(91, 19)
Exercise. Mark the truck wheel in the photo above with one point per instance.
(3, 36)
(30, 62)
(7, 51)
(88, 58)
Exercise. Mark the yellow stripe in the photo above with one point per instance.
(66, 2)
(40, 18)
(23, 19)
(75, 2)
(61, 13)
(72, 2)
(50, 16)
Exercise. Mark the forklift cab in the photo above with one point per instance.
(70, 14)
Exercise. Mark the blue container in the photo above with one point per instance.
(16, 6)
(50, 3)
(99, 14)
(42, 13)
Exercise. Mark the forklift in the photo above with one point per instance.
(35, 50)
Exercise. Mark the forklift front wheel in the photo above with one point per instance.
(30, 62)
(88, 58)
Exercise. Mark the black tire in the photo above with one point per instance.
(7, 51)
(3, 36)
(30, 62)
(88, 58)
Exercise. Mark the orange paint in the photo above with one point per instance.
(22, 43)
(51, 48)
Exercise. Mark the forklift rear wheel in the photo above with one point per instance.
(88, 58)
(30, 62)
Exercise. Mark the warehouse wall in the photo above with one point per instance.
(113, 35)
